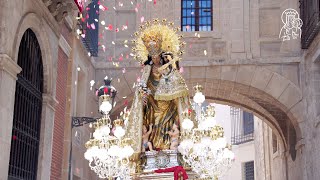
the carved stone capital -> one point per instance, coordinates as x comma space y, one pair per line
60, 9
8, 65
50, 100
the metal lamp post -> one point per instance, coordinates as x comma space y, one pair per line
106, 89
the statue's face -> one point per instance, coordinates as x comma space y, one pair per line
174, 127
145, 129
154, 48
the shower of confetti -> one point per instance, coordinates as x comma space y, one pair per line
110, 28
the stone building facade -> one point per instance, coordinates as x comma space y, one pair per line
246, 65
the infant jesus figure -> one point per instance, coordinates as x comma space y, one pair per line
174, 135
145, 138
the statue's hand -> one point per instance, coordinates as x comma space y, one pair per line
144, 99
167, 56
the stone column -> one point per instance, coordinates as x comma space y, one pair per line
8, 76
49, 104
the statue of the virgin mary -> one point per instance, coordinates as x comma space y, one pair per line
162, 93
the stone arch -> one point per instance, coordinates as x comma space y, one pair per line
35, 23
267, 94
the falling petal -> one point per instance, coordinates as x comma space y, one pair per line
124, 97
125, 102
205, 52
92, 83
181, 70
113, 43
142, 19
110, 27
96, 20
102, 7
125, 45
78, 68
103, 23
93, 26
124, 70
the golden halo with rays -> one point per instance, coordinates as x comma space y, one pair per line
170, 39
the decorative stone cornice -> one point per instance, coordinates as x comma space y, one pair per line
8, 65
64, 46
60, 9
50, 100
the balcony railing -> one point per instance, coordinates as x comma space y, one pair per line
310, 15
240, 139
90, 27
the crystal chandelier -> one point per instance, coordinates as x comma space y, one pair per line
108, 152
204, 147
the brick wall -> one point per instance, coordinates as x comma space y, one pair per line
58, 132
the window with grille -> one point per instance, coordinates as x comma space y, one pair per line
310, 15
89, 26
24, 150
249, 170
248, 123
196, 15
242, 126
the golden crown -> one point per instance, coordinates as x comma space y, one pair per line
154, 36
163, 34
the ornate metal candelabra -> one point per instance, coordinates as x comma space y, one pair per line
204, 147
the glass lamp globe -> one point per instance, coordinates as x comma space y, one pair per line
97, 134
199, 98
90, 153
105, 107
127, 151
187, 124
104, 131
119, 132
